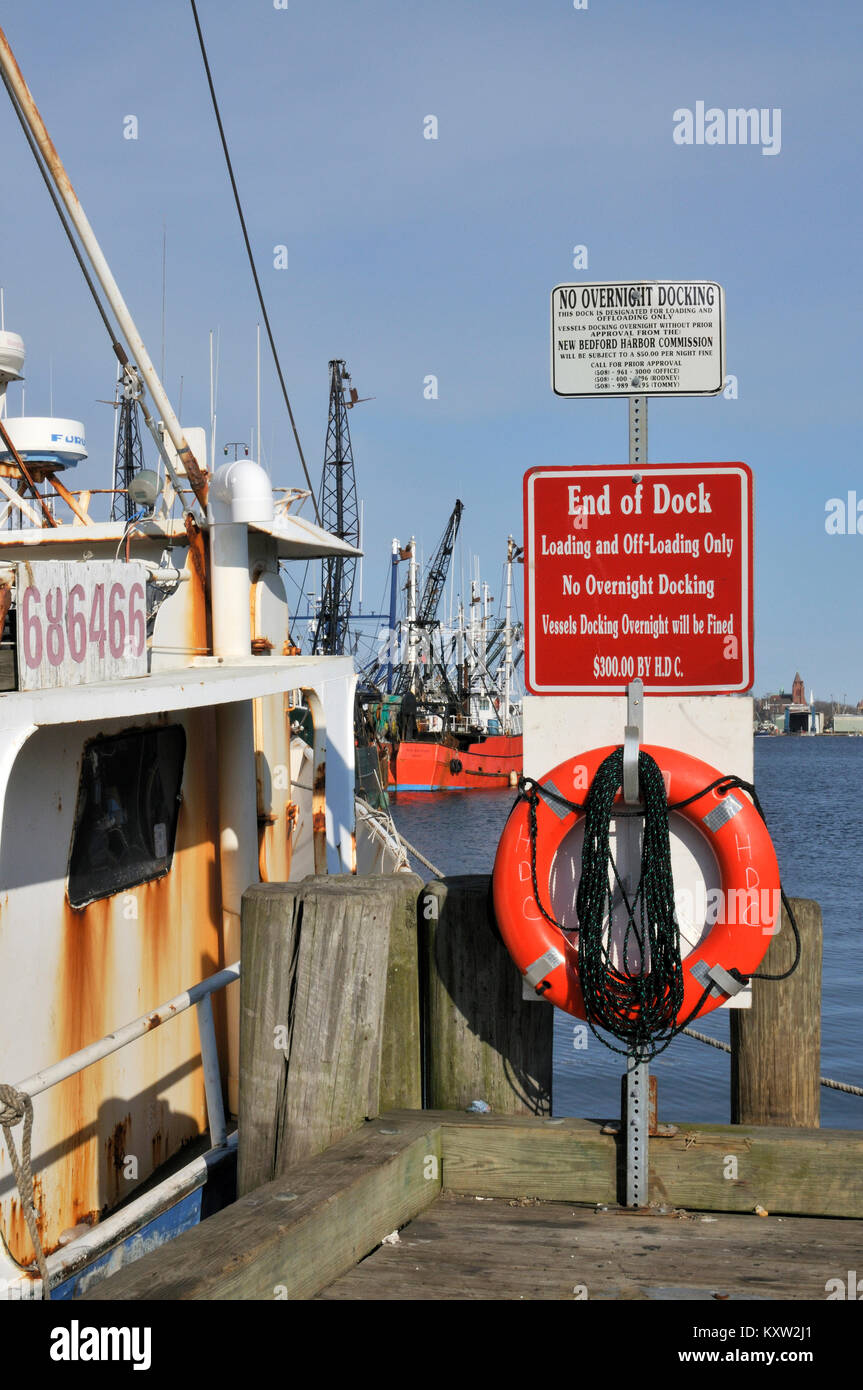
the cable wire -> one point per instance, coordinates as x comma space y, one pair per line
251, 257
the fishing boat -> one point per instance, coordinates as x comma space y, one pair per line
446, 708
150, 771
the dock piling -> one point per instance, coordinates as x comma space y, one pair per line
776, 1044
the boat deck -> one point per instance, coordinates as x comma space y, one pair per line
494, 1248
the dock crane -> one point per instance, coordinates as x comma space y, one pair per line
339, 513
425, 619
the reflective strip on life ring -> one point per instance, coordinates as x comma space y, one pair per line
735, 832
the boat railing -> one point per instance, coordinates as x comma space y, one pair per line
123, 1223
199, 995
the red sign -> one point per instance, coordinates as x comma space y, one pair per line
643, 571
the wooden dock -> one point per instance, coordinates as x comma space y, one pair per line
364, 1001
492, 1207
492, 1248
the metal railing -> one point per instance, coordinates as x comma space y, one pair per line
200, 996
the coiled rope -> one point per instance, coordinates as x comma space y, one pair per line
638, 998
16, 1106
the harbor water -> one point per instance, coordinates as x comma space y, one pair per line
812, 793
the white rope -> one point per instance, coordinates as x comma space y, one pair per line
825, 1080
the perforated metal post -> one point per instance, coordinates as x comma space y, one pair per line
636, 1122
637, 428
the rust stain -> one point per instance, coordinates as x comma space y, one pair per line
117, 1143
257, 572
17, 1233
199, 632
319, 818
292, 812
117, 1146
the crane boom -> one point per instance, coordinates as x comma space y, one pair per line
436, 577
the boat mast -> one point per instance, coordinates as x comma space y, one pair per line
26, 107
339, 514
412, 612
507, 660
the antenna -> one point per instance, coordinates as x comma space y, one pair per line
128, 455
359, 547
164, 294
214, 392
258, 416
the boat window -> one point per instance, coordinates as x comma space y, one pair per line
126, 818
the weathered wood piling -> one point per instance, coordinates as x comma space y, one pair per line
483, 1040
329, 1014
776, 1045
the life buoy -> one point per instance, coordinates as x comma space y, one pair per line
736, 834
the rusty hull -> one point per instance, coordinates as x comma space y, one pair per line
76, 975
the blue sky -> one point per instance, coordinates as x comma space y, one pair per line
411, 257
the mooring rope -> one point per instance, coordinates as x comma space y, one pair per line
16, 1106
438, 873
389, 824
824, 1080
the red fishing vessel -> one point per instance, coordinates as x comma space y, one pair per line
433, 766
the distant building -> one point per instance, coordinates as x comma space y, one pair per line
802, 717
848, 723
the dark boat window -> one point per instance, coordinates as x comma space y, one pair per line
126, 819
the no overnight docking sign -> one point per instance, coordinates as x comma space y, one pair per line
643, 571
633, 338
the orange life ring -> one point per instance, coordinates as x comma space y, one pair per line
736, 834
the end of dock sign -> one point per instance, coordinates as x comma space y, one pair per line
642, 572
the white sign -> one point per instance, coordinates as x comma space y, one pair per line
638, 338
80, 622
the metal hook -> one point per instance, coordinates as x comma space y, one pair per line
633, 735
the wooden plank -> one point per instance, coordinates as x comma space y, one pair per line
484, 1041
462, 1249
731, 1168
558, 1160
401, 1064
776, 1045
291, 1237
313, 992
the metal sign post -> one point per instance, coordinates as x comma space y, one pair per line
584, 532
637, 1083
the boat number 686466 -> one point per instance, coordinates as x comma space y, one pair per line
77, 625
